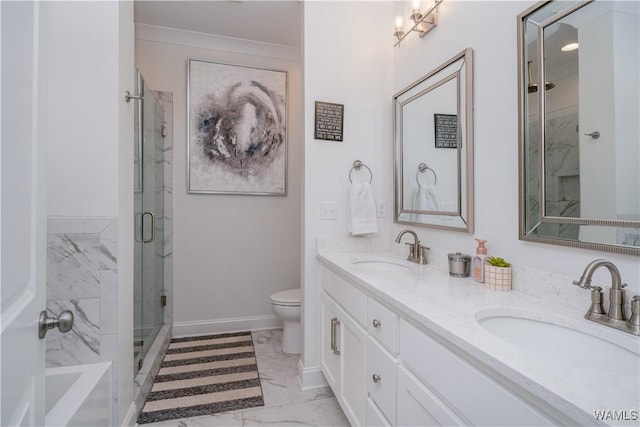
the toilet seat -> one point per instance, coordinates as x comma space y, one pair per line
288, 298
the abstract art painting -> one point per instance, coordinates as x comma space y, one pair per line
237, 120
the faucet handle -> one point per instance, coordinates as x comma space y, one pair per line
596, 302
634, 320
421, 255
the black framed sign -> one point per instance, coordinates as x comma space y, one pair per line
446, 130
329, 121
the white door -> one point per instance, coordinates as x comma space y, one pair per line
23, 215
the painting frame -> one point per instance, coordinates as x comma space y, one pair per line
237, 130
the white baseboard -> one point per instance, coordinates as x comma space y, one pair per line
215, 326
311, 377
131, 416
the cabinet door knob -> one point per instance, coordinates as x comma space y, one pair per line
376, 378
376, 323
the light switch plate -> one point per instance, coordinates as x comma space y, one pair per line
328, 210
381, 209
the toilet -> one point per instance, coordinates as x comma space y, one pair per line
286, 305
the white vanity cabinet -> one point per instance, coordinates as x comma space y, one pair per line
440, 387
344, 344
388, 370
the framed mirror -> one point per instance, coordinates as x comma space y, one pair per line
433, 148
579, 136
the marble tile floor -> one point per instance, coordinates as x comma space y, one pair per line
284, 403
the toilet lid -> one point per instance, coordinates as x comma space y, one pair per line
288, 297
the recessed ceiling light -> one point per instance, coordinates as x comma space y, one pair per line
569, 47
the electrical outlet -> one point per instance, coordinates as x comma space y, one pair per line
328, 210
381, 209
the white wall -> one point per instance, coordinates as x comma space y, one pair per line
82, 148
347, 60
465, 24
231, 252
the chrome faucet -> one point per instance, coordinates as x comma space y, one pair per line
416, 251
616, 316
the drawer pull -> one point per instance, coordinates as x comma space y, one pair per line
334, 346
376, 323
376, 378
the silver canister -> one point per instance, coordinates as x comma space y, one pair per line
459, 264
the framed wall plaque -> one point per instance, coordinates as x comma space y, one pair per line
329, 121
446, 130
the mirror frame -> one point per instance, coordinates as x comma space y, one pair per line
522, 145
466, 140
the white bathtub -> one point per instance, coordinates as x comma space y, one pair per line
78, 395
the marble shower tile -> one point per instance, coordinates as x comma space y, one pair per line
166, 100
78, 225
73, 264
109, 247
322, 412
82, 343
108, 302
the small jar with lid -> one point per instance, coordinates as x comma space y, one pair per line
459, 264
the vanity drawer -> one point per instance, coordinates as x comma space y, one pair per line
374, 416
465, 389
381, 379
382, 324
346, 295
418, 406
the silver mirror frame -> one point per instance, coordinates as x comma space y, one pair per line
522, 147
467, 142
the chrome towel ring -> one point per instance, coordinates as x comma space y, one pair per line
358, 165
423, 168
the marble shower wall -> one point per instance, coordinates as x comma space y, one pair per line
82, 276
562, 174
166, 100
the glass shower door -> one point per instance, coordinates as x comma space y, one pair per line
149, 229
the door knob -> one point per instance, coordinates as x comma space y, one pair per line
376, 323
376, 378
64, 322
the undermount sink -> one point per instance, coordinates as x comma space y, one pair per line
381, 265
563, 340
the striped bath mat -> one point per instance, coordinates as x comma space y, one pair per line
204, 375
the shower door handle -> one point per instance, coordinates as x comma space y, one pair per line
153, 227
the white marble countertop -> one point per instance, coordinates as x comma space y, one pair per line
448, 306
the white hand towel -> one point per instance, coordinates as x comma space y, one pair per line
361, 212
425, 199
